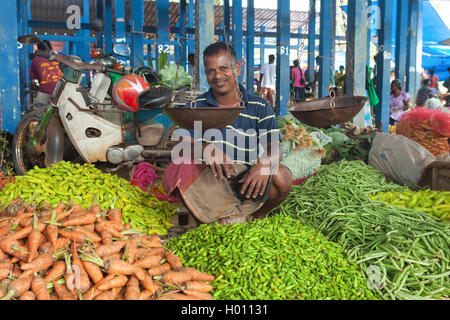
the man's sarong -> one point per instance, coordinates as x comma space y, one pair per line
210, 199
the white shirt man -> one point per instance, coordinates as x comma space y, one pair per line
267, 81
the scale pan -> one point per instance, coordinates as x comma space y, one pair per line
210, 117
317, 113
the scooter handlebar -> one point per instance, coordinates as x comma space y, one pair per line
67, 60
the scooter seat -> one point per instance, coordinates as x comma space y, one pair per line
154, 98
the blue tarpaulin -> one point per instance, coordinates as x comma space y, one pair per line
435, 55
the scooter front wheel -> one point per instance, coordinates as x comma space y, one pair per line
23, 158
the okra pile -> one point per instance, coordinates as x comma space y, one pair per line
274, 258
65, 181
404, 251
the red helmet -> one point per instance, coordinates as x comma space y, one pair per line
127, 89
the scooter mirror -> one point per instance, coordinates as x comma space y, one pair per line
29, 39
97, 24
121, 49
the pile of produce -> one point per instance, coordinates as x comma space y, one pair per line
428, 127
405, 252
349, 142
70, 253
81, 184
4, 180
301, 153
274, 258
434, 202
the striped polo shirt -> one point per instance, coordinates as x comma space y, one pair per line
244, 139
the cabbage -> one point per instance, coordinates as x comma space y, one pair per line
169, 73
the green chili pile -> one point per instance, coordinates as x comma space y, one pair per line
274, 258
406, 252
66, 181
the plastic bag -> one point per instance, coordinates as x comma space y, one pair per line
302, 163
427, 119
321, 138
430, 128
401, 159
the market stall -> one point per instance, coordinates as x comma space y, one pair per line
347, 231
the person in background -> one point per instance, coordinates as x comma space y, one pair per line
339, 79
332, 84
191, 60
46, 72
267, 81
434, 81
298, 79
433, 102
316, 79
423, 75
392, 75
447, 85
423, 92
375, 70
399, 102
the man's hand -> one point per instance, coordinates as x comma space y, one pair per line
221, 165
255, 179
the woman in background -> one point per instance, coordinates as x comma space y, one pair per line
298, 79
399, 102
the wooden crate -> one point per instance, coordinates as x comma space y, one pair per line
440, 179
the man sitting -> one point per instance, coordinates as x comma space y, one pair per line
236, 174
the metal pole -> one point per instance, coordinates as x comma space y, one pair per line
9, 77
206, 37
237, 33
356, 54
369, 35
137, 36
262, 44
400, 41
120, 21
324, 49
182, 20
283, 50
99, 14
311, 40
191, 45
23, 52
83, 48
250, 45
108, 26
419, 46
163, 23
384, 66
414, 45
227, 16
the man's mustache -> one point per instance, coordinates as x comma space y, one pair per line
220, 80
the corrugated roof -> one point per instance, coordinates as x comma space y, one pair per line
55, 11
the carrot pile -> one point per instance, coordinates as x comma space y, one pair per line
71, 253
4, 180
428, 127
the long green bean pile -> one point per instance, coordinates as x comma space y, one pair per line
404, 253
274, 258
